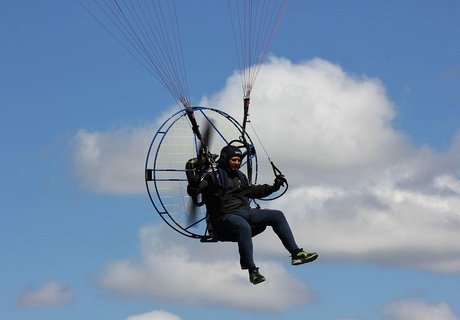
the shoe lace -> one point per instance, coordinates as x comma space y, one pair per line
301, 253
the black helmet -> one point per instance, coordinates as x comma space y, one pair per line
227, 153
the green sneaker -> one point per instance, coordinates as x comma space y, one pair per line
255, 277
301, 257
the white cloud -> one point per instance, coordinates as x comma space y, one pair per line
112, 161
358, 189
382, 224
51, 294
155, 315
333, 119
419, 310
202, 274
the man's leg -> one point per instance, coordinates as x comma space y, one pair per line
241, 230
277, 220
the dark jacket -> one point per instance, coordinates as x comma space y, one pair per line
225, 191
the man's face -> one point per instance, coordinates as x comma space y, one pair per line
234, 163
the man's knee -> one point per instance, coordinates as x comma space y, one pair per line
278, 216
244, 229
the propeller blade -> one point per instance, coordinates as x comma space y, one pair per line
192, 212
207, 135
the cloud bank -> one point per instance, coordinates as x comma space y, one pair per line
197, 275
359, 190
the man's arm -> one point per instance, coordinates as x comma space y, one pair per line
264, 190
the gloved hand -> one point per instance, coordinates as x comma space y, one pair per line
193, 183
192, 189
279, 182
193, 177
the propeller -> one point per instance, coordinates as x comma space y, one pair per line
202, 163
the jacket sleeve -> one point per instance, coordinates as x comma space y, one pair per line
261, 191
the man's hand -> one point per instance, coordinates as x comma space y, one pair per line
280, 180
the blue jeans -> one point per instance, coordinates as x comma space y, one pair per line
239, 225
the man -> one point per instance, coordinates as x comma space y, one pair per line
227, 193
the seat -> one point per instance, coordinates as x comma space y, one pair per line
216, 233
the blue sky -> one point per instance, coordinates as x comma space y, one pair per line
366, 93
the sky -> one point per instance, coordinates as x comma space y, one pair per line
357, 103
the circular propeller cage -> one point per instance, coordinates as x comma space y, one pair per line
172, 146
